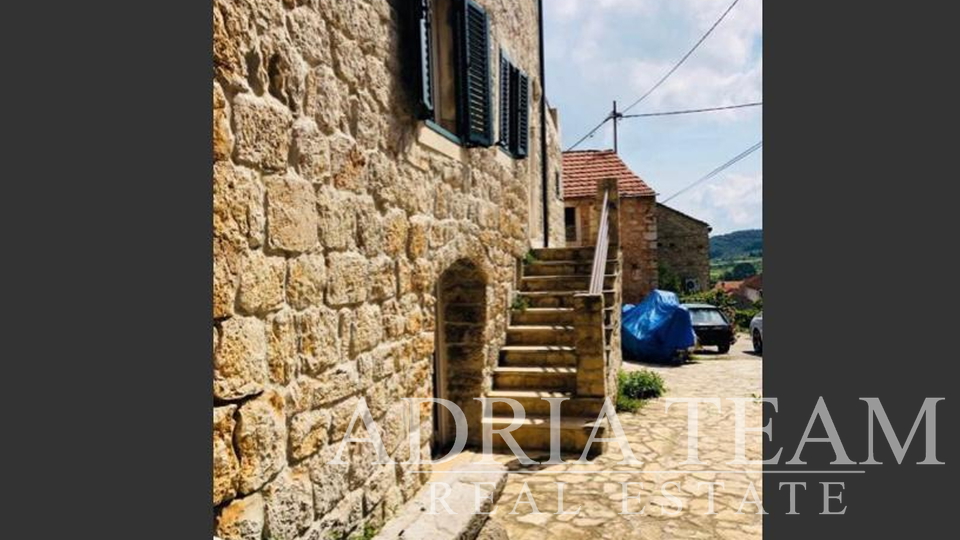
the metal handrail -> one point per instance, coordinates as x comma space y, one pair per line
600, 252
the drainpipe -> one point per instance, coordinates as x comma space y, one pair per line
544, 160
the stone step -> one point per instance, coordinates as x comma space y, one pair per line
538, 355
564, 254
540, 335
563, 283
534, 405
554, 299
566, 268
535, 378
534, 434
542, 316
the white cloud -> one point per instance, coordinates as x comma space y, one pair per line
729, 202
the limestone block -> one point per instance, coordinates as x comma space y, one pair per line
282, 347
262, 132
324, 98
337, 219
329, 480
238, 214
306, 280
242, 519
240, 362
419, 236
226, 264
369, 229
308, 433
367, 329
348, 164
383, 278
319, 341
309, 32
261, 283
334, 385
261, 439
348, 281
222, 138
288, 502
291, 214
394, 232
226, 468
311, 150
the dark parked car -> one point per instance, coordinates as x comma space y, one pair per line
711, 327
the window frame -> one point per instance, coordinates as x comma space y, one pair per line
465, 135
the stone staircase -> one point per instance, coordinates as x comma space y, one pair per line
540, 358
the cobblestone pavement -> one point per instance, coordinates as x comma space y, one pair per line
658, 438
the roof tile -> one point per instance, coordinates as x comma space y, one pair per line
582, 169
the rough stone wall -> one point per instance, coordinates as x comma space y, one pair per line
333, 218
555, 180
638, 240
684, 246
638, 244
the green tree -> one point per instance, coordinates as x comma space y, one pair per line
740, 271
668, 280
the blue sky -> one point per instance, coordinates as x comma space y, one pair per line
601, 50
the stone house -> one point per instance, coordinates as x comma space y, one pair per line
746, 292
380, 169
582, 169
683, 248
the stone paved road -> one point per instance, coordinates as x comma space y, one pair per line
658, 438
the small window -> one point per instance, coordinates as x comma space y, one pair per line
571, 225
453, 69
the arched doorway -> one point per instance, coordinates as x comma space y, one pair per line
459, 357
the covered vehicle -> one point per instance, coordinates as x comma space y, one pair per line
656, 328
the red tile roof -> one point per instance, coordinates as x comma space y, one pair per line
755, 282
582, 169
729, 286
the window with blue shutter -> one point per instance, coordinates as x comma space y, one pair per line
424, 62
453, 84
522, 123
475, 96
514, 91
506, 113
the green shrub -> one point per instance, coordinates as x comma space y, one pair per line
626, 404
520, 303
743, 318
633, 387
529, 258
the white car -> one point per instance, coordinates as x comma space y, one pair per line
756, 331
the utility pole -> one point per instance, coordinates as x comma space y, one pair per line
616, 117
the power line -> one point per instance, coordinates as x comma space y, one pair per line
690, 111
664, 78
717, 171
588, 135
684, 59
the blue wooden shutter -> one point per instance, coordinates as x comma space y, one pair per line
506, 114
523, 115
424, 80
475, 94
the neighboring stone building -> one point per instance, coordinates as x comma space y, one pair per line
683, 250
352, 188
582, 169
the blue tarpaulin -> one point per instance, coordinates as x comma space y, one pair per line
656, 328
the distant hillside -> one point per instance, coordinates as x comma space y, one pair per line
737, 245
